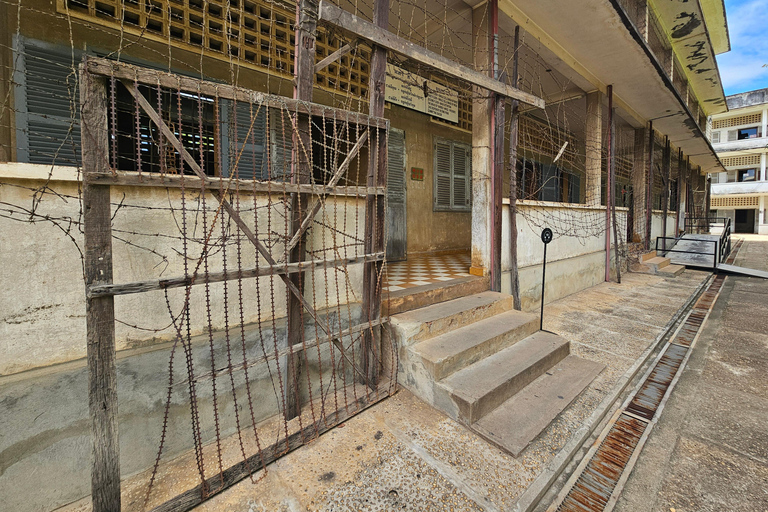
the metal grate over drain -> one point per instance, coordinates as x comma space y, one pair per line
597, 481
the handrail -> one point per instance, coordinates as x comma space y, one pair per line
716, 253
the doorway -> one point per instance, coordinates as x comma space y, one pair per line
745, 221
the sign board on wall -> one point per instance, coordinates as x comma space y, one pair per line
412, 91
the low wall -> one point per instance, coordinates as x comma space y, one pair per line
576, 255
42, 307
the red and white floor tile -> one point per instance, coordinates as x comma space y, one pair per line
426, 269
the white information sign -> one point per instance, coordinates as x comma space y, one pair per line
412, 91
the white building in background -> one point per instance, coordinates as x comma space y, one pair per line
740, 138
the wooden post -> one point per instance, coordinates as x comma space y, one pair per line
497, 151
612, 171
609, 187
666, 164
306, 29
649, 187
99, 311
374, 205
679, 190
513, 138
707, 200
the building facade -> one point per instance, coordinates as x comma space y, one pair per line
740, 138
502, 118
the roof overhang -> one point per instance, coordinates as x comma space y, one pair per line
717, 25
604, 46
685, 26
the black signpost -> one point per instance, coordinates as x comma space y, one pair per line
546, 237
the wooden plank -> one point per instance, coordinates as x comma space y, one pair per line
100, 311
133, 179
335, 56
321, 201
103, 290
193, 497
306, 29
195, 86
380, 36
649, 186
514, 127
374, 206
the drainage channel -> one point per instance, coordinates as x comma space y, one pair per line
598, 480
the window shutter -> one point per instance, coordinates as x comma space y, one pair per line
461, 172
550, 183
243, 128
442, 175
48, 105
731, 176
396, 167
281, 145
732, 135
715, 137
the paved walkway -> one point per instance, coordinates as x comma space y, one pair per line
709, 451
404, 455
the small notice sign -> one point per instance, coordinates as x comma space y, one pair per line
417, 174
412, 91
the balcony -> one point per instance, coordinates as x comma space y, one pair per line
739, 188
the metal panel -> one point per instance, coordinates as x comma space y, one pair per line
396, 194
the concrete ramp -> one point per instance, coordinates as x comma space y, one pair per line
742, 271
693, 250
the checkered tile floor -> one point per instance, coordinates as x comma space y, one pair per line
426, 269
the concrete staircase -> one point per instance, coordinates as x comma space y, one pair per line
487, 365
651, 263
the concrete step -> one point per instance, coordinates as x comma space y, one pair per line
647, 256
657, 263
672, 269
473, 392
422, 296
420, 324
519, 420
455, 350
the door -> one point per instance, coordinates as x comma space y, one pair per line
396, 231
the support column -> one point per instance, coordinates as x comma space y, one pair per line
765, 122
594, 144
649, 188
639, 167
666, 164
99, 311
761, 215
763, 177
482, 140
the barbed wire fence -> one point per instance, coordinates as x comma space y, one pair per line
203, 168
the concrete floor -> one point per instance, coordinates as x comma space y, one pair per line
709, 450
403, 455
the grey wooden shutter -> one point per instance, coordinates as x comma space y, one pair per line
550, 185
442, 171
733, 135
243, 128
396, 192
715, 137
461, 177
47, 104
281, 145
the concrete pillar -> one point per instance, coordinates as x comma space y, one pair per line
761, 214
762, 176
594, 143
482, 106
639, 166
765, 122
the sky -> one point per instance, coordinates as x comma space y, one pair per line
742, 69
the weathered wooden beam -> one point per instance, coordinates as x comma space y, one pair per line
153, 78
513, 139
103, 290
133, 179
335, 56
321, 201
380, 36
374, 206
304, 80
99, 311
